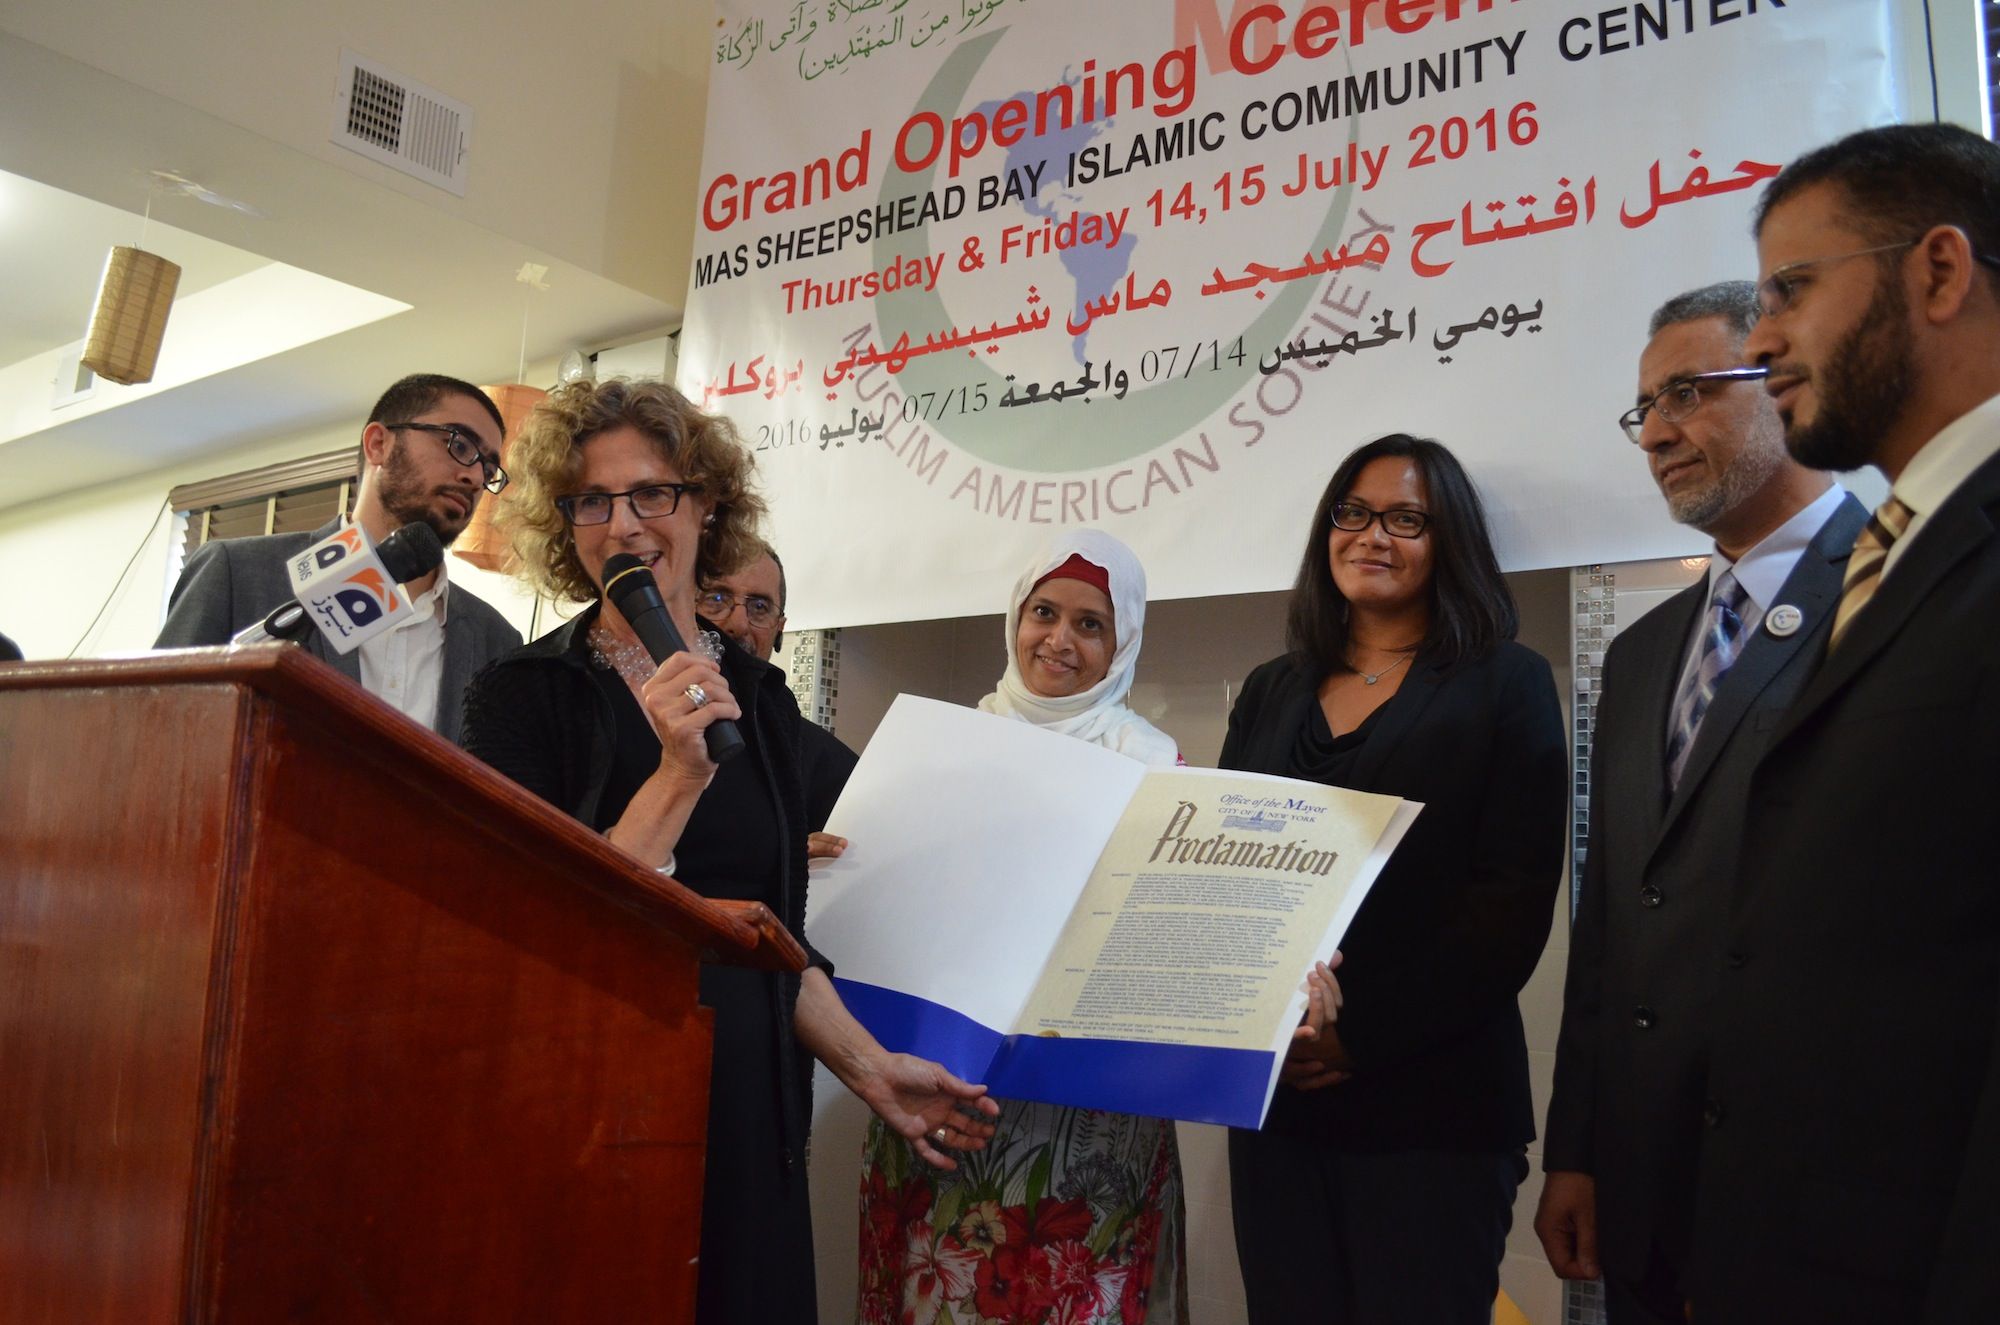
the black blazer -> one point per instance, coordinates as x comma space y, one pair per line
1457, 920
1851, 1169
1631, 1062
232, 582
538, 717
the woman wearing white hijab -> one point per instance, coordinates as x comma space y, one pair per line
1068, 1214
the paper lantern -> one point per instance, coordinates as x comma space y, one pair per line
130, 319
482, 544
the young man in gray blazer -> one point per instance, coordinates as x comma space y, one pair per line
430, 451
1689, 691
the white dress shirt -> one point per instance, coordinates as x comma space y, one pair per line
1762, 572
405, 664
1946, 461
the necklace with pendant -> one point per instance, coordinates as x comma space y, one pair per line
1371, 679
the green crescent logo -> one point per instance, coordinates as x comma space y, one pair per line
1108, 431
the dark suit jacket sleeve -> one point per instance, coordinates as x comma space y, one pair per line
201, 609
1966, 1284
825, 763
510, 726
1567, 1145
1495, 921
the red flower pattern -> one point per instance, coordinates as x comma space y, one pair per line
999, 1264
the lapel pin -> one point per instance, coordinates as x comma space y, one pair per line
1784, 620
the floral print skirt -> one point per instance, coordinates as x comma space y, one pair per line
1068, 1217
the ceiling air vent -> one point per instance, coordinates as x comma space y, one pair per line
402, 124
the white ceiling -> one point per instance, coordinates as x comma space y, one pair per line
77, 145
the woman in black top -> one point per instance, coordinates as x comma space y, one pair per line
583, 718
1381, 1186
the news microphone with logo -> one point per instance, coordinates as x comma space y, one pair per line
629, 584
347, 589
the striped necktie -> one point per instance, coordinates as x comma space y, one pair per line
1864, 567
1721, 641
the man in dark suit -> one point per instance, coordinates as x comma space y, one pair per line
1850, 1167
430, 451
1689, 691
749, 607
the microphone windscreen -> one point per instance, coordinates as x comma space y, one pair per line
626, 589
411, 552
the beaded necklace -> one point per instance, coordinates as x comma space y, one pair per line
629, 658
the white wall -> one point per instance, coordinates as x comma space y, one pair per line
66, 557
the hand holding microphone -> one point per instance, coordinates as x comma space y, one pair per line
692, 691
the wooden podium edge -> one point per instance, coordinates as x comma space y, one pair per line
735, 933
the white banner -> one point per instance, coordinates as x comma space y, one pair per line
968, 268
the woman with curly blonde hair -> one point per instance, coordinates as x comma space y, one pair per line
583, 718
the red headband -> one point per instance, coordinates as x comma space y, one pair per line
1076, 568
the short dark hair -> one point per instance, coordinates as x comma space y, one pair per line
1735, 302
1472, 611
1898, 181
420, 392
784, 592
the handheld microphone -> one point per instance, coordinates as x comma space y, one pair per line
629, 584
344, 595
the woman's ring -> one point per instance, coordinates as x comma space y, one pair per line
696, 696
939, 1135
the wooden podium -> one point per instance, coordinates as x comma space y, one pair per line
305, 1015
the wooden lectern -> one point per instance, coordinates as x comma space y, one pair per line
305, 1015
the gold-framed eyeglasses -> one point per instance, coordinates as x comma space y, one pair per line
1776, 291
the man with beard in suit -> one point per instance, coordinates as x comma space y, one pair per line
430, 451
1850, 1167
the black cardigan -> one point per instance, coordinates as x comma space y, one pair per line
536, 715
1456, 923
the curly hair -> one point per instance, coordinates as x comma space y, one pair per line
547, 458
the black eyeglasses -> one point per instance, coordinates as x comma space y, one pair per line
651, 502
1683, 396
758, 610
464, 448
1353, 517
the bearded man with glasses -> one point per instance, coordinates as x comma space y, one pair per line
429, 452
1687, 698
1850, 1168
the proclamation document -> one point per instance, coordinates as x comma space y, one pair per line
1065, 924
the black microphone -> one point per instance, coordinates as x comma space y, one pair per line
629, 585
410, 553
